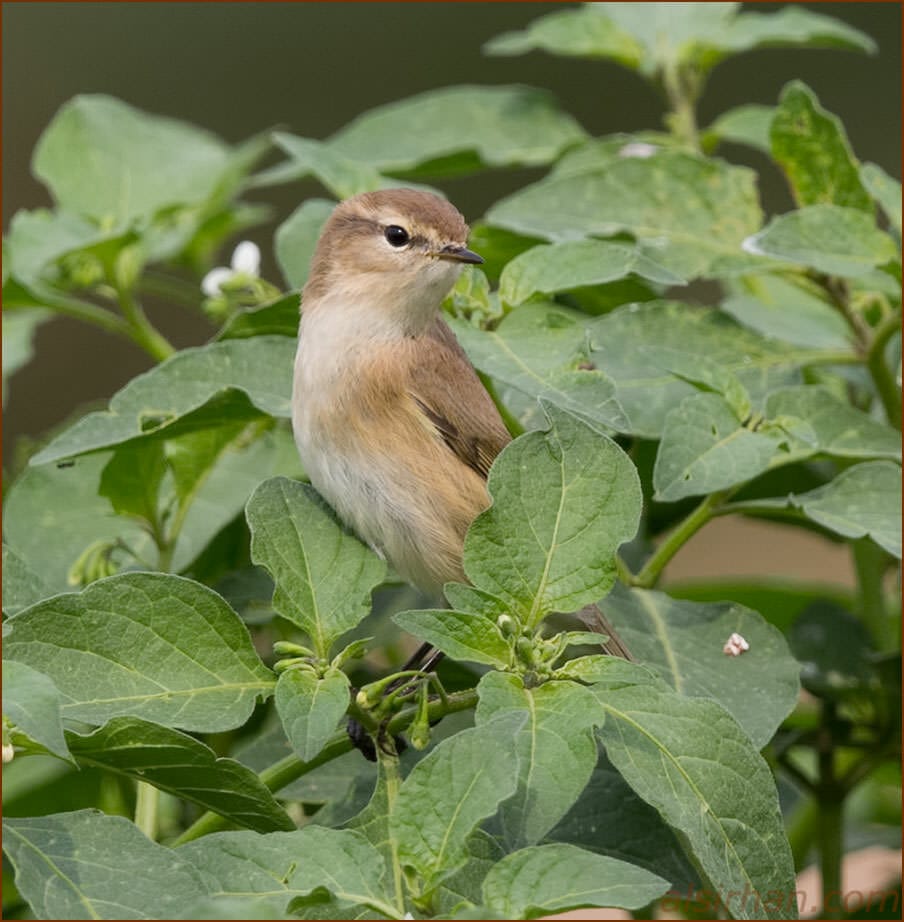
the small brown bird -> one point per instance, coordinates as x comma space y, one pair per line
394, 428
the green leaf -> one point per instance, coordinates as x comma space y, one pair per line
460, 783
812, 148
828, 238
885, 190
836, 428
558, 877
248, 866
706, 448
131, 480
462, 635
276, 318
324, 576
197, 388
550, 268
579, 33
460, 127
692, 214
748, 124
133, 164
556, 751
863, 500
296, 238
147, 645
21, 585
689, 759
791, 26
221, 491
563, 502
19, 328
541, 350
606, 808
38, 239
647, 396
52, 514
310, 708
85, 865
32, 702
175, 762
682, 642
782, 308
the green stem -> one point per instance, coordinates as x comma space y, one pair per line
882, 375
85, 311
146, 802
140, 330
830, 829
682, 96
677, 538
869, 562
389, 765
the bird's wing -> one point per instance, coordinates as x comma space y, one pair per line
448, 392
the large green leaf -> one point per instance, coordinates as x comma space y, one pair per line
275, 318
296, 238
51, 515
85, 865
550, 268
783, 309
829, 238
324, 576
292, 865
556, 751
178, 763
147, 645
464, 635
705, 447
812, 148
689, 759
461, 127
563, 502
862, 500
541, 350
748, 124
661, 36
648, 392
832, 425
197, 388
558, 877
606, 808
32, 702
682, 642
130, 164
21, 585
460, 783
691, 213
310, 708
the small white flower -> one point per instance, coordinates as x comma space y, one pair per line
246, 260
638, 149
735, 645
8, 752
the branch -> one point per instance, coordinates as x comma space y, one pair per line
883, 378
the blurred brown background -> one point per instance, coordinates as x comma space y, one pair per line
239, 68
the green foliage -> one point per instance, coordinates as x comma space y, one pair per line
155, 551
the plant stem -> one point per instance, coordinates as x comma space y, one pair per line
682, 97
869, 562
146, 801
389, 765
85, 311
830, 830
883, 378
140, 330
677, 538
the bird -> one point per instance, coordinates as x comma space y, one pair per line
393, 426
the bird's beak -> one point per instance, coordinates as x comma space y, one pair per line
459, 254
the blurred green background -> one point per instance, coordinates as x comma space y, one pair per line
240, 68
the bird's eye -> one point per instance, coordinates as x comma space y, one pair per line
396, 236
